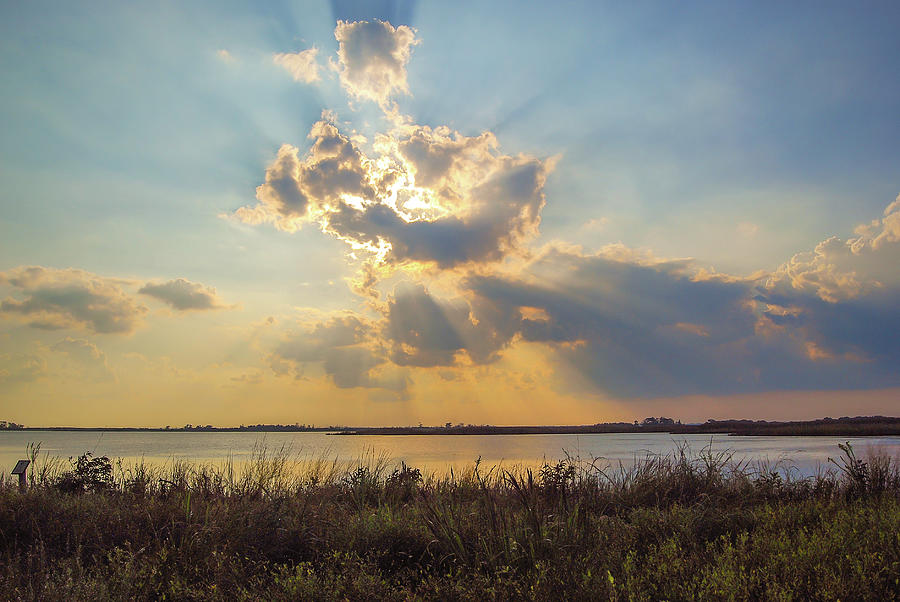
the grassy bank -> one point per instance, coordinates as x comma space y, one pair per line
679, 527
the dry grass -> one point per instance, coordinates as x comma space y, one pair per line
283, 526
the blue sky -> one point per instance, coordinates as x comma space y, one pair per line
736, 135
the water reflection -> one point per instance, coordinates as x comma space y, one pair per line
432, 453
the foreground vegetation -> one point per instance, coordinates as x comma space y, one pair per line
686, 526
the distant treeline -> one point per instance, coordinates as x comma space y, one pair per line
261, 428
858, 425
192, 428
844, 426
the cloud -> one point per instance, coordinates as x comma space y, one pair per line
636, 326
476, 204
70, 298
225, 56
345, 349
301, 65
90, 360
418, 196
184, 295
421, 202
747, 229
314, 343
838, 270
372, 58
843, 298
395, 11
630, 325
21, 368
249, 378
54, 299
302, 190
425, 331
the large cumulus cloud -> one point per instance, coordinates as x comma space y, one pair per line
435, 205
476, 204
416, 194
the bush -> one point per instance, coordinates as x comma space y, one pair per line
88, 474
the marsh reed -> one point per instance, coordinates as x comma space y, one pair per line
688, 525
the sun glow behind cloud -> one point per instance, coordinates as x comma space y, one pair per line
431, 205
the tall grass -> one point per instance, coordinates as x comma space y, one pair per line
280, 526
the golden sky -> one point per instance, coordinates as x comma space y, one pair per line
306, 237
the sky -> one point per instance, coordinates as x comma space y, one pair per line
399, 212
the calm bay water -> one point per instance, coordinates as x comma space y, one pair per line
431, 453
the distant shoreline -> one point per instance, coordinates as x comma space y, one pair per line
845, 426
140, 429
858, 426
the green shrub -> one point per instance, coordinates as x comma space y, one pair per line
88, 474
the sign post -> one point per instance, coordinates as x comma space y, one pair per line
20, 468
